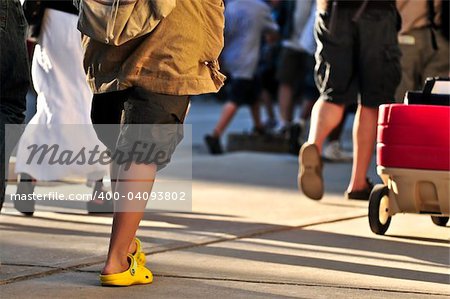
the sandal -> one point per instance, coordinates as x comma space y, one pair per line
139, 255
310, 179
135, 274
360, 194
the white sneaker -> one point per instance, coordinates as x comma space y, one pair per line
334, 153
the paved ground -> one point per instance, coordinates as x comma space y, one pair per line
250, 235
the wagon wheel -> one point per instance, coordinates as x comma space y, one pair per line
379, 218
439, 221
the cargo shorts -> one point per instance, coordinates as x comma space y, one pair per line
140, 124
358, 58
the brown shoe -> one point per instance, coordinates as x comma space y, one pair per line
310, 179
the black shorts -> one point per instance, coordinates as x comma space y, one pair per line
292, 67
267, 81
358, 58
132, 116
308, 89
296, 68
243, 91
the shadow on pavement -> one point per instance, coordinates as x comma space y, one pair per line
389, 249
433, 240
337, 265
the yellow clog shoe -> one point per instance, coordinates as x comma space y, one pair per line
135, 274
139, 255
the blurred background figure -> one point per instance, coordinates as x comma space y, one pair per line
267, 65
295, 70
424, 42
14, 80
63, 97
246, 21
296, 81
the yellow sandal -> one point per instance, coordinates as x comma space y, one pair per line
139, 255
135, 274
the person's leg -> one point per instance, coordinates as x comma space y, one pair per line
324, 118
379, 75
333, 151
335, 134
228, 112
255, 110
307, 108
311, 91
290, 69
285, 95
14, 80
252, 90
238, 95
106, 113
138, 179
364, 137
335, 79
266, 100
268, 86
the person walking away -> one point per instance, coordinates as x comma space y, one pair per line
357, 55
246, 23
295, 71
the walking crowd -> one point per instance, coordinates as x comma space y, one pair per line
333, 57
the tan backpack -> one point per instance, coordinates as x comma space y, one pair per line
115, 22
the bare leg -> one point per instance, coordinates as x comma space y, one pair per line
285, 95
228, 112
324, 118
256, 115
137, 179
364, 137
307, 107
114, 170
336, 133
267, 102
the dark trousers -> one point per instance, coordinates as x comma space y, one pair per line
14, 78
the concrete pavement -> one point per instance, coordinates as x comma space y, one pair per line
251, 234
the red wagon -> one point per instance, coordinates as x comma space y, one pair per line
413, 161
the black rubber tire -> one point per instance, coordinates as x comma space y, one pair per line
378, 192
439, 221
